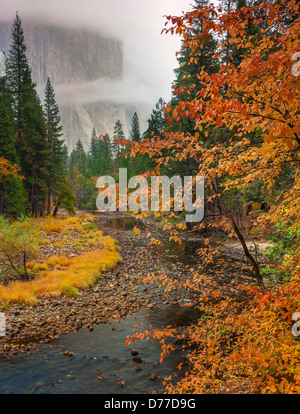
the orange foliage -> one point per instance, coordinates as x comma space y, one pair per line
243, 338
262, 94
7, 169
244, 335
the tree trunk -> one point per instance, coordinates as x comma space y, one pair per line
56, 210
243, 243
49, 199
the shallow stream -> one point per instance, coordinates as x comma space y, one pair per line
101, 363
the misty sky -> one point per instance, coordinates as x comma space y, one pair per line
149, 57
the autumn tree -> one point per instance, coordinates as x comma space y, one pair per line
7, 169
243, 340
257, 97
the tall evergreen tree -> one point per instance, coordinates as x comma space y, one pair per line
186, 73
65, 158
13, 197
55, 144
35, 154
78, 158
7, 138
30, 128
135, 133
157, 121
191, 62
19, 78
107, 157
94, 156
116, 145
94, 148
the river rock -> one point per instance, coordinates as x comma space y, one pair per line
137, 360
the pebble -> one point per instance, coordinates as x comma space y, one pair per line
137, 360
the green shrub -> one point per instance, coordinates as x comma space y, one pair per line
18, 244
285, 241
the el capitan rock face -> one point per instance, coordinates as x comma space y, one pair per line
75, 60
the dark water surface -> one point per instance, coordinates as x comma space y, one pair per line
102, 364
101, 353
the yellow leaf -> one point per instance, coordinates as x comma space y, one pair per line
136, 231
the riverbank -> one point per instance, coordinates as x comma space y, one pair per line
115, 295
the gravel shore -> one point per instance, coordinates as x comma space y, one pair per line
115, 295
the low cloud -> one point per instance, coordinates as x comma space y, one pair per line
149, 56
123, 91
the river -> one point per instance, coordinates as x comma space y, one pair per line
101, 363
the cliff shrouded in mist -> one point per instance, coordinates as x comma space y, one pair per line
79, 63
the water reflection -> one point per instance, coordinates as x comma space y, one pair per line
101, 361
169, 251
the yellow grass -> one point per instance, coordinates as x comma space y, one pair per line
60, 275
50, 225
63, 224
80, 272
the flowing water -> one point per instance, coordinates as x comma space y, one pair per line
102, 364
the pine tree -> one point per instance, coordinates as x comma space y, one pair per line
135, 133
157, 121
78, 158
19, 78
7, 138
65, 159
35, 156
94, 147
94, 156
55, 144
186, 74
13, 197
107, 161
29, 122
116, 145
188, 70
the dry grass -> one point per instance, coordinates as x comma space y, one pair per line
60, 275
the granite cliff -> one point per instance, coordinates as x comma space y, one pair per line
78, 60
